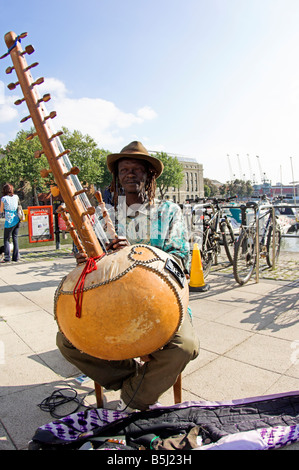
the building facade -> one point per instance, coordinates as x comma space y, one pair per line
192, 187
290, 191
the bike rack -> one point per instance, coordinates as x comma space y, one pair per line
257, 240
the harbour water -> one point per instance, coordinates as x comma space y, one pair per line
290, 243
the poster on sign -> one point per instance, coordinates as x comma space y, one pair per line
40, 224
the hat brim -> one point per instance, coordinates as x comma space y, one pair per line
113, 158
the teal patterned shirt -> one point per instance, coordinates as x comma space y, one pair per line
160, 224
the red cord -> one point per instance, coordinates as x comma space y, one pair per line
90, 266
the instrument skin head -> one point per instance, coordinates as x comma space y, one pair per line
132, 304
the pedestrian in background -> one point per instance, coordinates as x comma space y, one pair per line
9, 205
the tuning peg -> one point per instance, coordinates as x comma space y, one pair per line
9, 70
31, 136
30, 66
25, 118
39, 81
52, 115
45, 98
12, 86
56, 135
44, 173
18, 38
18, 102
38, 153
28, 50
90, 211
73, 171
83, 190
65, 152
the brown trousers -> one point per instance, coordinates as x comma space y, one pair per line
141, 385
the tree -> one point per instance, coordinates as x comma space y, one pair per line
210, 189
19, 164
87, 156
207, 190
172, 175
240, 187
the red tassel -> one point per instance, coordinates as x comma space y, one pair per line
90, 266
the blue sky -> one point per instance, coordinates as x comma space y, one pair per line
197, 78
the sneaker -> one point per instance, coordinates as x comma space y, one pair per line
123, 407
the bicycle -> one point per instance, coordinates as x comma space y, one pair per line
251, 237
213, 230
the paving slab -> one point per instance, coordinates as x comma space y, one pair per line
249, 338
229, 379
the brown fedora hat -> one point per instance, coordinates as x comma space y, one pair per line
135, 150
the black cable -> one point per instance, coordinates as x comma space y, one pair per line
57, 398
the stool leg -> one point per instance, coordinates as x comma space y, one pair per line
177, 390
99, 394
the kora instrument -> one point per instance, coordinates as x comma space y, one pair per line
117, 305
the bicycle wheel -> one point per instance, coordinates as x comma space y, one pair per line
269, 245
245, 256
207, 252
228, 239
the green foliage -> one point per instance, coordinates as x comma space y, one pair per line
240, 187
19, 164
210, 189
172, 175
86, 155
237, 187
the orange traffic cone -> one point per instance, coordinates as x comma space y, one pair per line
197, 283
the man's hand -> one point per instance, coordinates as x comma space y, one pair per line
117, 244
81, 257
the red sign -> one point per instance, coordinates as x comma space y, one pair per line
40, 224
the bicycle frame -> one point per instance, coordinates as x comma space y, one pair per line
259, 236
257, 221
215, 229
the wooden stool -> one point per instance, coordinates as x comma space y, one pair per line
177, 392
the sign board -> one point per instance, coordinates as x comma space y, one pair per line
40, 224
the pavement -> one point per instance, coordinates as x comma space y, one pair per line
249, 338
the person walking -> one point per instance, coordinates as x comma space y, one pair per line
9, 205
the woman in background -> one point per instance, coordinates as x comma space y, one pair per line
9, 205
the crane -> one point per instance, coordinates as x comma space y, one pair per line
240, 168
263, 174
252, 175
230, 169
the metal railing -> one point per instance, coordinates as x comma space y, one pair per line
257, 240
257, 224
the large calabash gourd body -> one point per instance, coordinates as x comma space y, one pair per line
132, 305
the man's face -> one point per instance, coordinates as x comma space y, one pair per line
132, 175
